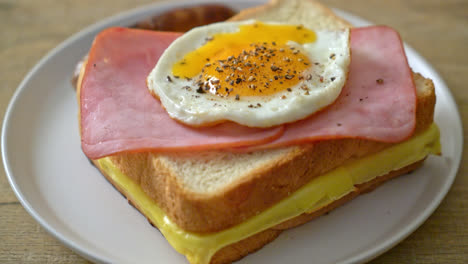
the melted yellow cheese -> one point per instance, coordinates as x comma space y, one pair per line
199, 248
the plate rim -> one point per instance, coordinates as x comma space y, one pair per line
115, 20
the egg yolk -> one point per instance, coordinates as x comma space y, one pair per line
254, 61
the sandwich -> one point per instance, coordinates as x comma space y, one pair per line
221, 186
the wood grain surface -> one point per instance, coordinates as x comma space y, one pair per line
438, 30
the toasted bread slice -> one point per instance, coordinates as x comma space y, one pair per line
253, 243
210, 191
213, 190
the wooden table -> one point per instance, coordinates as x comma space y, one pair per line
438, 30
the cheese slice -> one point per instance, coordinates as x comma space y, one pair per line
321, 191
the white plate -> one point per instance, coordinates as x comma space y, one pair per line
58, 186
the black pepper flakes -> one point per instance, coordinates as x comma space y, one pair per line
237, 97
200, 90
169, 78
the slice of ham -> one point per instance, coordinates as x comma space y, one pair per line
118, 114
377, 103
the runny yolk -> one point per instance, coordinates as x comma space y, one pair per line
254, 61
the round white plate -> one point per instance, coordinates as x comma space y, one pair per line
58, 186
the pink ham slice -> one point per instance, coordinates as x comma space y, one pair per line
378, 101
118, 114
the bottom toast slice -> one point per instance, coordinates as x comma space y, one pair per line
322, 194
254, 242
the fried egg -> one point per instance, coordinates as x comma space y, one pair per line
252, 73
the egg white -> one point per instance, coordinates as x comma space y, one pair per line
331, 51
